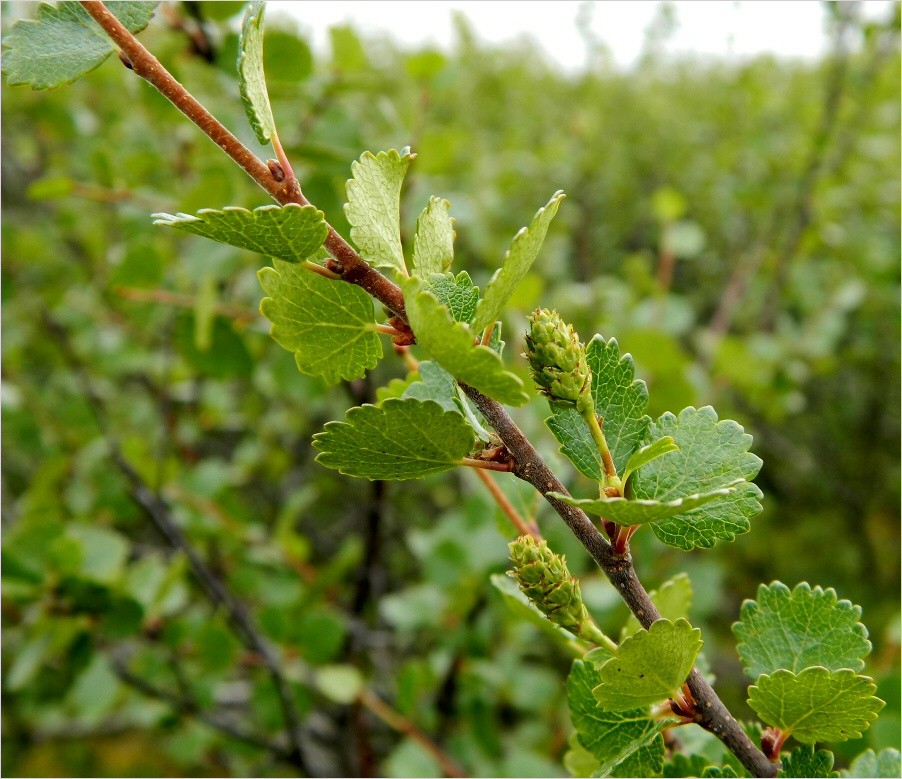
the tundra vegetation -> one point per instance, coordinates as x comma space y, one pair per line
419, 472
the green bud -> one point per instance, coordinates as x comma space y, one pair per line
558, 360
544, 579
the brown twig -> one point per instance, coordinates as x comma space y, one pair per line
485, 465
188, 707
158, 511
143, 63
711, 714
403, 725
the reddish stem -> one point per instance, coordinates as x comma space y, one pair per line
486, 465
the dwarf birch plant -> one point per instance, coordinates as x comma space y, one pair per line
687, 477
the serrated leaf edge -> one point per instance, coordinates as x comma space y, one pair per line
555, 202
356, 410
869, 716
477, 347
41, 18
395, 156
751, 607
254, 9
639, 636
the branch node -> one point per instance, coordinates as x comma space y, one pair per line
277, 172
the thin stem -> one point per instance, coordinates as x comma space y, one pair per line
403, 725
522, 526
622, 538
353, 268
682, 703
282, 157
601, 442
712, 715
591, 632
487, 334
410, 362
186, 706
385, 329
487, 465
321, 270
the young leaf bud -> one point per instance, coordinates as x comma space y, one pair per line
558, 360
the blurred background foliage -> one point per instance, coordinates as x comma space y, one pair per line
735, 226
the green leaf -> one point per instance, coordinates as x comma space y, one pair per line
95, 689
439, 385
451, 345
401, 439
472, 415
816, 704
673, 601
28, 660
577, 445
627, 743
395, 388
648, 453
620, 399
320, 633
685, 765
219, 10
435, 384
516, 264
105, 552
373, 208
286, 58
433, 244
459, 293
642, 512
798, 629
649, 666
805, 762
578, 760
227, 356
215, 646
292, 233
713, 455
340, 683
64, 42
251, 79
876, 766
328, 325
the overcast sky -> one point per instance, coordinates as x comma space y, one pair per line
727, 28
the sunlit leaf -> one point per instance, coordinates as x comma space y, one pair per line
292, 233
816, 704
251, 78
793, 630
328, 325
401, 439
649, 666
516, 264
